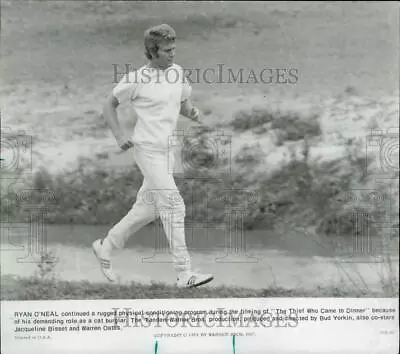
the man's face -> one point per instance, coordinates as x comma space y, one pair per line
166, 55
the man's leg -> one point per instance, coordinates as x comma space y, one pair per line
169, 203
171, 208
141, 213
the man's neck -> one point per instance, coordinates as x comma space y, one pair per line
157, 67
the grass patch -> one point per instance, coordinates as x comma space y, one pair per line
250, 156
289, 126
292, 128
19, 289
245, 120
300, 192
85, 196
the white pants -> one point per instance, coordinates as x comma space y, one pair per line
157, 197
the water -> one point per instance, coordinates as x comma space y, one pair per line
256, 259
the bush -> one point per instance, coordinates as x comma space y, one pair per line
289, 126
301, 192
243, 121
82, 197
250, 156
293, 128
46, 266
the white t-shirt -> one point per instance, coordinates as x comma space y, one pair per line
156, 97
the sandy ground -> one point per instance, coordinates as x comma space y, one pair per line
57, 71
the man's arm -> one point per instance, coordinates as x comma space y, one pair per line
190, 111
111, 116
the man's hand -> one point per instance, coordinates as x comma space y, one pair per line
124, 144
110, 114
190, 111
194, 115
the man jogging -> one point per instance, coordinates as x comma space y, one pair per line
158, 93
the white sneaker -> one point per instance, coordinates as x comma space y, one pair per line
105, 260
192, 279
